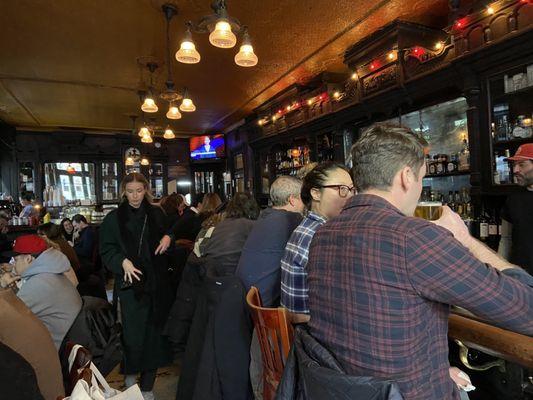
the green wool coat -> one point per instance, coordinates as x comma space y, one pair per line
144, 347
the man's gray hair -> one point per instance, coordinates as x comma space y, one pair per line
282, 188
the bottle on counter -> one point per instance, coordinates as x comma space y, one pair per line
464, 157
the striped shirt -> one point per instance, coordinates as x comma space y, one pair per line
294, 288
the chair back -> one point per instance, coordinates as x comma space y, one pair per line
275, 336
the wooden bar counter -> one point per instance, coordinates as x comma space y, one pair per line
476, 334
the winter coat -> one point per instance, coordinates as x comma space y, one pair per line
144, 307
312, 373
49, 294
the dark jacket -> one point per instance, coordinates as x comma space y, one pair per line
84, 246
17, 376
145, 306
212, 324
312, 373
261, 255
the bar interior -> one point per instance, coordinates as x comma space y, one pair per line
132, 131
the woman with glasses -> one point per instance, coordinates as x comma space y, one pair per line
325, 191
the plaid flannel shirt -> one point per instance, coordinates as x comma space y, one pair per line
380, 286
294, 288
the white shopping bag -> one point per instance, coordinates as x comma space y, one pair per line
99, 389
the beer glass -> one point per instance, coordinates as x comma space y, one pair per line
429, 210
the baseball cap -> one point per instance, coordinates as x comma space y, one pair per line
27, 244
524, 152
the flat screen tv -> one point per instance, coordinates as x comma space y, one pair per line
207, 147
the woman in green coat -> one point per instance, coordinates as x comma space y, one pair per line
130, 247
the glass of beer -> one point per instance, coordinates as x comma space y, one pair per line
429, 210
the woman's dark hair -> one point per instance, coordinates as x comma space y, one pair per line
242, 205
170, 203
316, 178
50, 230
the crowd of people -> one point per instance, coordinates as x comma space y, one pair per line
338, 248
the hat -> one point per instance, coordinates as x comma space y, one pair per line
524, 153
27, 244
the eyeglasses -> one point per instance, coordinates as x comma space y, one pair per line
342, 189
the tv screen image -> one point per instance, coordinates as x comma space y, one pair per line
207, 146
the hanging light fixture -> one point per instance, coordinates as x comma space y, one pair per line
186, 104
147, 138
173, 112
246, 56
129, 161
222, 30
145, 161
187, 53
149, 105
169, 134
143, 131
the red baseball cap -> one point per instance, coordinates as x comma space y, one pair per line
27, 244
524, 153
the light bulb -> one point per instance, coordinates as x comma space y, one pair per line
222, 36
246, 57
149, 105
187, 54
173, 113
354, 76
169, 134
336, 95
144, 161
439, 46
490, 10
187, 105
144, 131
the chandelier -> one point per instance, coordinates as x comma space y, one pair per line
222, 29
169, 94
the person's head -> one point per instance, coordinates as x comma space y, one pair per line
79, 222
66, 225
523, 165
50, 231
207, 140
170, 204
327, 188
134, 188
285, 194
390, 159
209, 204
25, 199
26, 249
242, 205
4, 223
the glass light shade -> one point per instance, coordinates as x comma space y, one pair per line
246, 57
147, 139
173, 113
144, 161
129, 161
144, 131
187, 105
187, 54
149, 105
222, 36
169, 134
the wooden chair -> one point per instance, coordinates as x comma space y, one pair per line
275, 336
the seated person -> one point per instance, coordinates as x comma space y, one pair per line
53, 233
43, 287
67, 229
25, 334
84, 243
259, 264
27, 206
381, 282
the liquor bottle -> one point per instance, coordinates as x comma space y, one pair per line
451, 202
464, 157
483, 227
493, 238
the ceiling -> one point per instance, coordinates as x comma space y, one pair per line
73, 64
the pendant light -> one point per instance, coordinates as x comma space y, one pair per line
169, 134
187, 104
145, 161
173, 112
246, 56
222, 36
149, 105
147, 138
143, 131
129, 161
187, 54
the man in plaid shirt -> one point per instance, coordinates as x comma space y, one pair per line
381, 282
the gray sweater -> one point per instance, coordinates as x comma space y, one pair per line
49, 294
